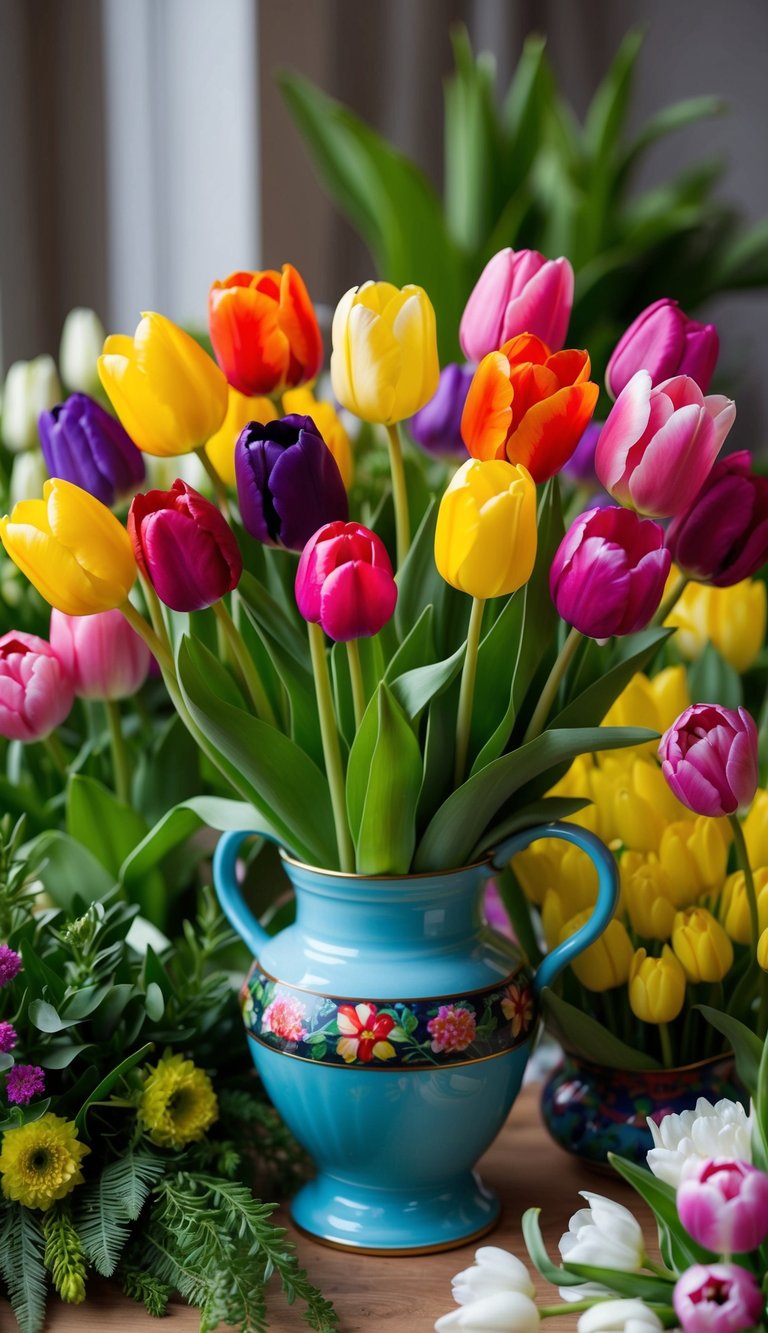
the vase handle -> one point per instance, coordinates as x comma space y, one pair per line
230, 894
607, 891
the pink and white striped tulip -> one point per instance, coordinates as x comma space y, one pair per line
659, 445
518, 291
723, 1204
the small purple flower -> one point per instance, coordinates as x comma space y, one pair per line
8, 1038
288, 482
23, 1083
580, 467
10, 964
437, 425
85, 445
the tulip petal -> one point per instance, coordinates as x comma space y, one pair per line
551, 429
675, 464
626, 424
355, 601
297, 320
481, 324
183, 375
375, 360
98, 541
487, 414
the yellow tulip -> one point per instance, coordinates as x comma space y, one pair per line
537, 869
384, 364
644, 805
485, 540
303, 402
605, 963
701, 945
71, 548
649, 900
553, 918
656, 986
694, 853
733, 619
734, 905
241, 410
762, 951
168, 393
755, 828
652, 702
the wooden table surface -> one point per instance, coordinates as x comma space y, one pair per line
401, 1295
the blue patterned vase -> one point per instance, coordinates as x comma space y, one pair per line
592, 1111
391, 1028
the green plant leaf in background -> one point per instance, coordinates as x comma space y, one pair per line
585, 1037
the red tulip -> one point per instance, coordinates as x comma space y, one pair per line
344, 581
184, 547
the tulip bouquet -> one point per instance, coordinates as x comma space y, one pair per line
129, 1140
706, 1183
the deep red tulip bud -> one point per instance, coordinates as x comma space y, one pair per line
184, 547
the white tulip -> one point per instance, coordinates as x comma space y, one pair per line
31, 387
28, 476
494, 1270
629, 1316
723, 1130
503, 1312
82, 340
606, 1234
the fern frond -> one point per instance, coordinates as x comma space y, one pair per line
22, 1266
111, 1203
147, 1289
64, 1257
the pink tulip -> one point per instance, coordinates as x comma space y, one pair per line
709, 758
344, 581
609, 572
658, 446
104, 657
665, 342
36, 692
717, 1298
723, 1204
517, 292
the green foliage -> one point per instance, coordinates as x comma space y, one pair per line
146, 1289
64, 1254
521, 171
583, 1036
106, 1207
22, 1265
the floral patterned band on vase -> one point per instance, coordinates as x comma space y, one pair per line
422, 1033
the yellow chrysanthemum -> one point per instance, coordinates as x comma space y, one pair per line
178, 1103
40, 1162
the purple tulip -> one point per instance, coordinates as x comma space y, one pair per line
184, 547
437, 426
83, 444
288, 482
609, 572
659, 444
723, 537
665, 342
724, 1206
717, 1298
709, 758
580, 467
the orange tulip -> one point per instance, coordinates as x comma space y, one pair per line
529, 406
264, 331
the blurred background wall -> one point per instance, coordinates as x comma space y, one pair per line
145, 148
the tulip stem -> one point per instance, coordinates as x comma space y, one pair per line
742, 859
467, 691
670, 602
219, 489
57, 754
552, 685
146, 632
399, 495
121, 764
356, 679
331, 748
667, 1056
245, 664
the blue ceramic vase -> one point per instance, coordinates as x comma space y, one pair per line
391, 1028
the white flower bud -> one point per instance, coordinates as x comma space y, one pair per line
31, 387
82, 340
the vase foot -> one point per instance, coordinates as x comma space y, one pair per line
393, 1222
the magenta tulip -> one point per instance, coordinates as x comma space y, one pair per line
184, 547
517, 292
36, 692
665, 342
103, 655
609, 572
709, 758
344, 581
724, 1206
723, 537
659, 445
717, 1298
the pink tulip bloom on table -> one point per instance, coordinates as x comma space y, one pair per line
659, 445
709, 758
723, 1204
103, 655
518, 291
665, 342
36, 692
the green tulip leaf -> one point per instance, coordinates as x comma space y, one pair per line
180, 823
590, 707
711, 677
96, 819
746, 1045
586, 1038
678, 1250
386, 768
439, 748
69, 871
417, 687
